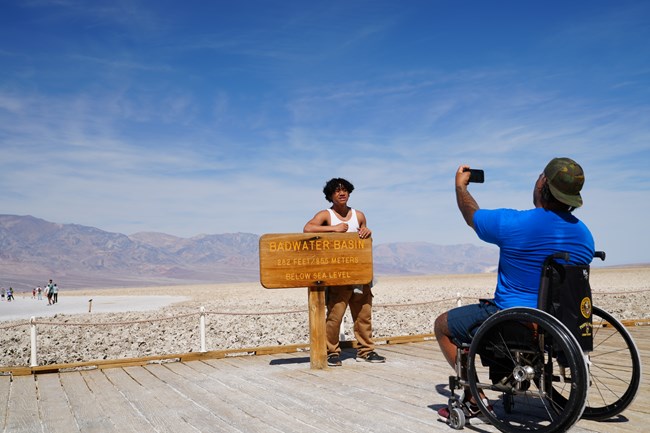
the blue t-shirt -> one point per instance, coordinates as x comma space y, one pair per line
525, 239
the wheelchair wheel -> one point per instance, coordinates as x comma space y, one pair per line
457, 418
518, 350
614, 368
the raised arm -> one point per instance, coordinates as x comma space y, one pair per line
466, 202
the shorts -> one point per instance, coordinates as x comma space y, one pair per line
463, 322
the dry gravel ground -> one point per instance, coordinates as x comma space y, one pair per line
248, 315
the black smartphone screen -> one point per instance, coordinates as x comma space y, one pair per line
476, 176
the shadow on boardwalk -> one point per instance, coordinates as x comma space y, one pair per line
265, 393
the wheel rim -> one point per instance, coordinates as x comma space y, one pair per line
518, 360
614, 370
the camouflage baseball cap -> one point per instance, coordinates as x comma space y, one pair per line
565, 179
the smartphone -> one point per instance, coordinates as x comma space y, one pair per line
476, 176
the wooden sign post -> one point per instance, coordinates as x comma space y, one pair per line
316, 261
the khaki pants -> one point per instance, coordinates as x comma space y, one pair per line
338, 299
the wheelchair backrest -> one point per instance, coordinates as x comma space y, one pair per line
565, 293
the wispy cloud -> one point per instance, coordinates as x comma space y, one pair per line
183, 120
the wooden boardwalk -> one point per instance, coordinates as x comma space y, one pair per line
264, 393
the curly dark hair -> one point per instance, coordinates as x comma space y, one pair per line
333, 184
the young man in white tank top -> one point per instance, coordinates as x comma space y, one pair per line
340, 218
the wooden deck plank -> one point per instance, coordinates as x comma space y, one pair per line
253, 399
263, 394
424, 355
161, 405
5, 386
372, 403
113, 403
408, 386
157, 412
195, 415
300, 402
228, 418
54, 409
85, 404
22, 409
233, 406
379, 401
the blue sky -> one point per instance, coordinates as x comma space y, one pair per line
229, 116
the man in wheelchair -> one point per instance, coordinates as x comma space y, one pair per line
525, 239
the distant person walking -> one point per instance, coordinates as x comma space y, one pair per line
39, 293
49, 292
10, 294
2, 293
55, 294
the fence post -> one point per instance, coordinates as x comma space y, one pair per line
202, 329
459, 300
33, 359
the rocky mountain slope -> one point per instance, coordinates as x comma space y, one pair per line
33, 250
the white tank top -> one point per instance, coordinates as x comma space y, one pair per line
353, 222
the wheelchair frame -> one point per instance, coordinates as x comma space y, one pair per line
540, 379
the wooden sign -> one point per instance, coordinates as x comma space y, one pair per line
314, 259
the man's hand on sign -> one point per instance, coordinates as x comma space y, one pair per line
340, 228
364, 232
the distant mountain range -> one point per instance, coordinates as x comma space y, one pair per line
33, 250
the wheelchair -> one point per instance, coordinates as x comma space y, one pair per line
543, 369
